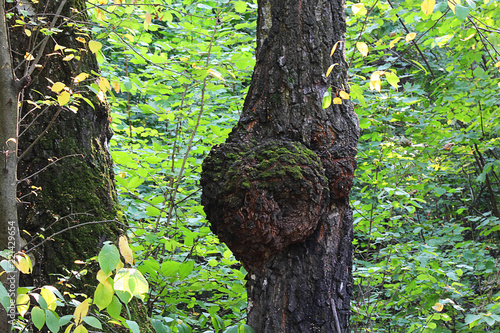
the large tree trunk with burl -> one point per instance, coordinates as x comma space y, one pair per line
277, 191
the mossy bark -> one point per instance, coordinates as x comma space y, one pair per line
66, 176
277, 192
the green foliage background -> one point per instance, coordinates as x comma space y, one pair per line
426, 194
427, 184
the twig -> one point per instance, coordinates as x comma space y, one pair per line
45, 167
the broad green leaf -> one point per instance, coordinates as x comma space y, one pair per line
94, 46
134, 327
38, 317
103, 295
461, 12
52, 321
327, 98
108, 258
92, 321
240, 6
114, 308
4, 297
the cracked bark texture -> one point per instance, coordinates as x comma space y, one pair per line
277, 191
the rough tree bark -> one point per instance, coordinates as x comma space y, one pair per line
277, 191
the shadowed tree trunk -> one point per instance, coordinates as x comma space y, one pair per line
277, 191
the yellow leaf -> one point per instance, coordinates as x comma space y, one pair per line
80, 329
104, 84
329, 70
452, 3
129, 37
23, 262
184, 59
344, 95
63, 98
117, 2
27, 32
116, 86
375, 83
101, 276
23, 304
337, 100
101, 96
147, 21
100, 15
79, 262
49, 297
358, 9
81, 311
216, 74
57, 87
411, 36
363, 48
68, 57
125, 250
80, 77
497, 64
58, 47
498, 84
68, 329
103, 2
428, 6
28, 56
438, 307
81, 40
391, 44
335, 47
94, 46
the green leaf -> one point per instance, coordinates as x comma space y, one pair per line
327, 98
52, 321
114, 308
38, 317
103, 295
240, 6
92, 321
134, 327
108, 258
461, 12
4, 297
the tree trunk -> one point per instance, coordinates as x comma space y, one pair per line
9, 230
65, 170
277, 191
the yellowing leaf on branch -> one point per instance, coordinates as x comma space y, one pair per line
104, 84
49, 297
27, 32
100, 15
81, 311
335, 47
363, 48
28, 56
94, 46
393, 79
344, 95
68, 57
57, 87
337, 100
428, 6
125, 250
147, 21
80, 77
116, 86
452, 3
375, 83
392, 43
63, 98
59, 47
81, 40
23, 303
23, 262
438, 307
497, 65
129, 37
411, 36
359, 9
216, 74
329, 70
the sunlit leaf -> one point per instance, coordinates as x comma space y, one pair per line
344, 95
23, 262
411, 36
81, 40
363, 48
81, 311
147, 20
329, 70
428, 6
240, 6
94, 46
63, 98
392, 78
57, 87
49, 297
334, 48
104, 84
358, 9
68, 57
125, 249
393, 42
23, 303
28, 56
116, 86
80, 77
337, 100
